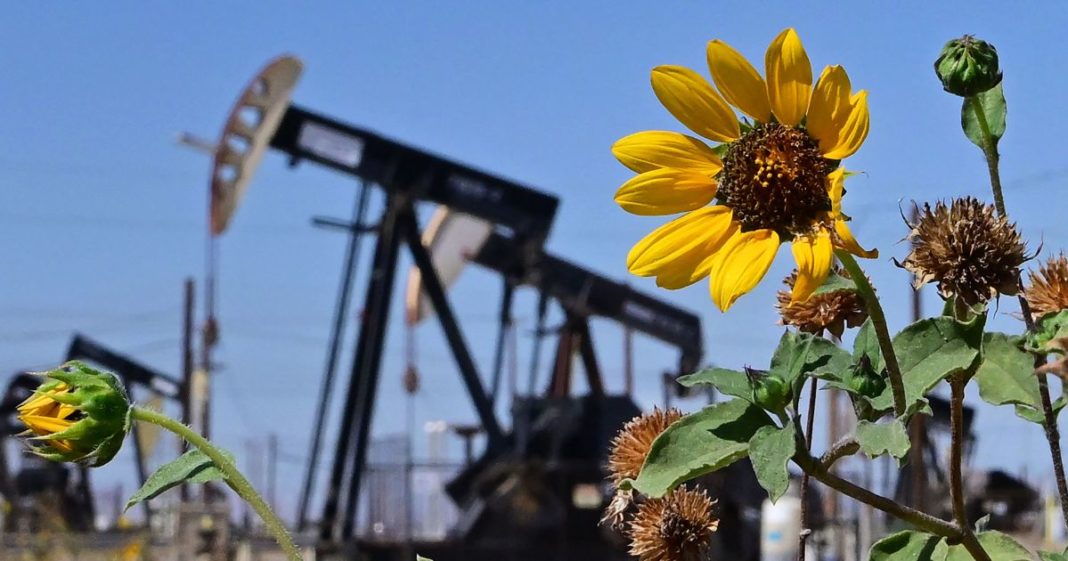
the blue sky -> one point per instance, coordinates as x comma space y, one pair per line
102, 214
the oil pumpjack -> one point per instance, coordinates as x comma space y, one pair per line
537, 489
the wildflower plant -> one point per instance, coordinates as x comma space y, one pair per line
776, 176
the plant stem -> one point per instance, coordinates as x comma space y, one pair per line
956, 459
1053, 437
810, 418
990, 150
846, 446
920, 520
234, 478
878, 320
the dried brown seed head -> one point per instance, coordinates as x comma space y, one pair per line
966, 248
632, 444
1047, 292
676, 527
830, 311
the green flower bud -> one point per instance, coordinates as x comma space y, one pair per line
78, 414
769, 391
968, 66
864, 380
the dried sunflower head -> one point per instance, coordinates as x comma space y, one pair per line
675, 527
1047, 290
965, 247
634, 440
829, 311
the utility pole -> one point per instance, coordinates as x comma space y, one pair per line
272, 470
187, 366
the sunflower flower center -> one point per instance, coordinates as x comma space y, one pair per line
775, 177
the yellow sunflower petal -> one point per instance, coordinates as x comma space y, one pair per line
694, 103
829, 107
814, 254
740, 265
738, 81
665, 191
688, 238
835, 190
36, 403
649, 150
45, 425
853, 131
845, 240
695, 265
789, 77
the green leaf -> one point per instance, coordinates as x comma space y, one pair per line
836, 283
770, 450
930, 350
421, 558
876, 439
1007, 373
1053, 556
703, 442
999, 546
867, 344
728, 382
1035, 415
908, 546
992, 102
801, 353
1049, 332
193, 466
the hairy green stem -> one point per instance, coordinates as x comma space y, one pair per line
920, 520
234, 478
1049, 424
810, 417
956, 459
846, 446
878, 320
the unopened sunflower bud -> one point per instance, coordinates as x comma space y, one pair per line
769, 391
864, 380
968, 66
78, 414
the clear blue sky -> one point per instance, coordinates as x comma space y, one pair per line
101, 213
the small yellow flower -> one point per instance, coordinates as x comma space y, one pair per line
77, 414
778, 179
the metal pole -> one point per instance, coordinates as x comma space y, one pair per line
433, 288
187, 366
628, 361
272, 470
337, 331
502, 333
539, 336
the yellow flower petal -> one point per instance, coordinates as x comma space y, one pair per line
829, 107
649, 150
738, 81
843, 237
694, 103
814, 254
43, 426
680, 244
740, 265
789, 77
852, 132
845, 240
665, 191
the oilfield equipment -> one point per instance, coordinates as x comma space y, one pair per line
537, 489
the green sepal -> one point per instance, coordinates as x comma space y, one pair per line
835, 283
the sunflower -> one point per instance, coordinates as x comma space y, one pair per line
773, 178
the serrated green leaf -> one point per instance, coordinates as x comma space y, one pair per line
908, 546
1006, 373
770, 451
876, 439
993, 105
702, 442
999, 546
802, 353
193, 466
930, 350
836, 283
728, 382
